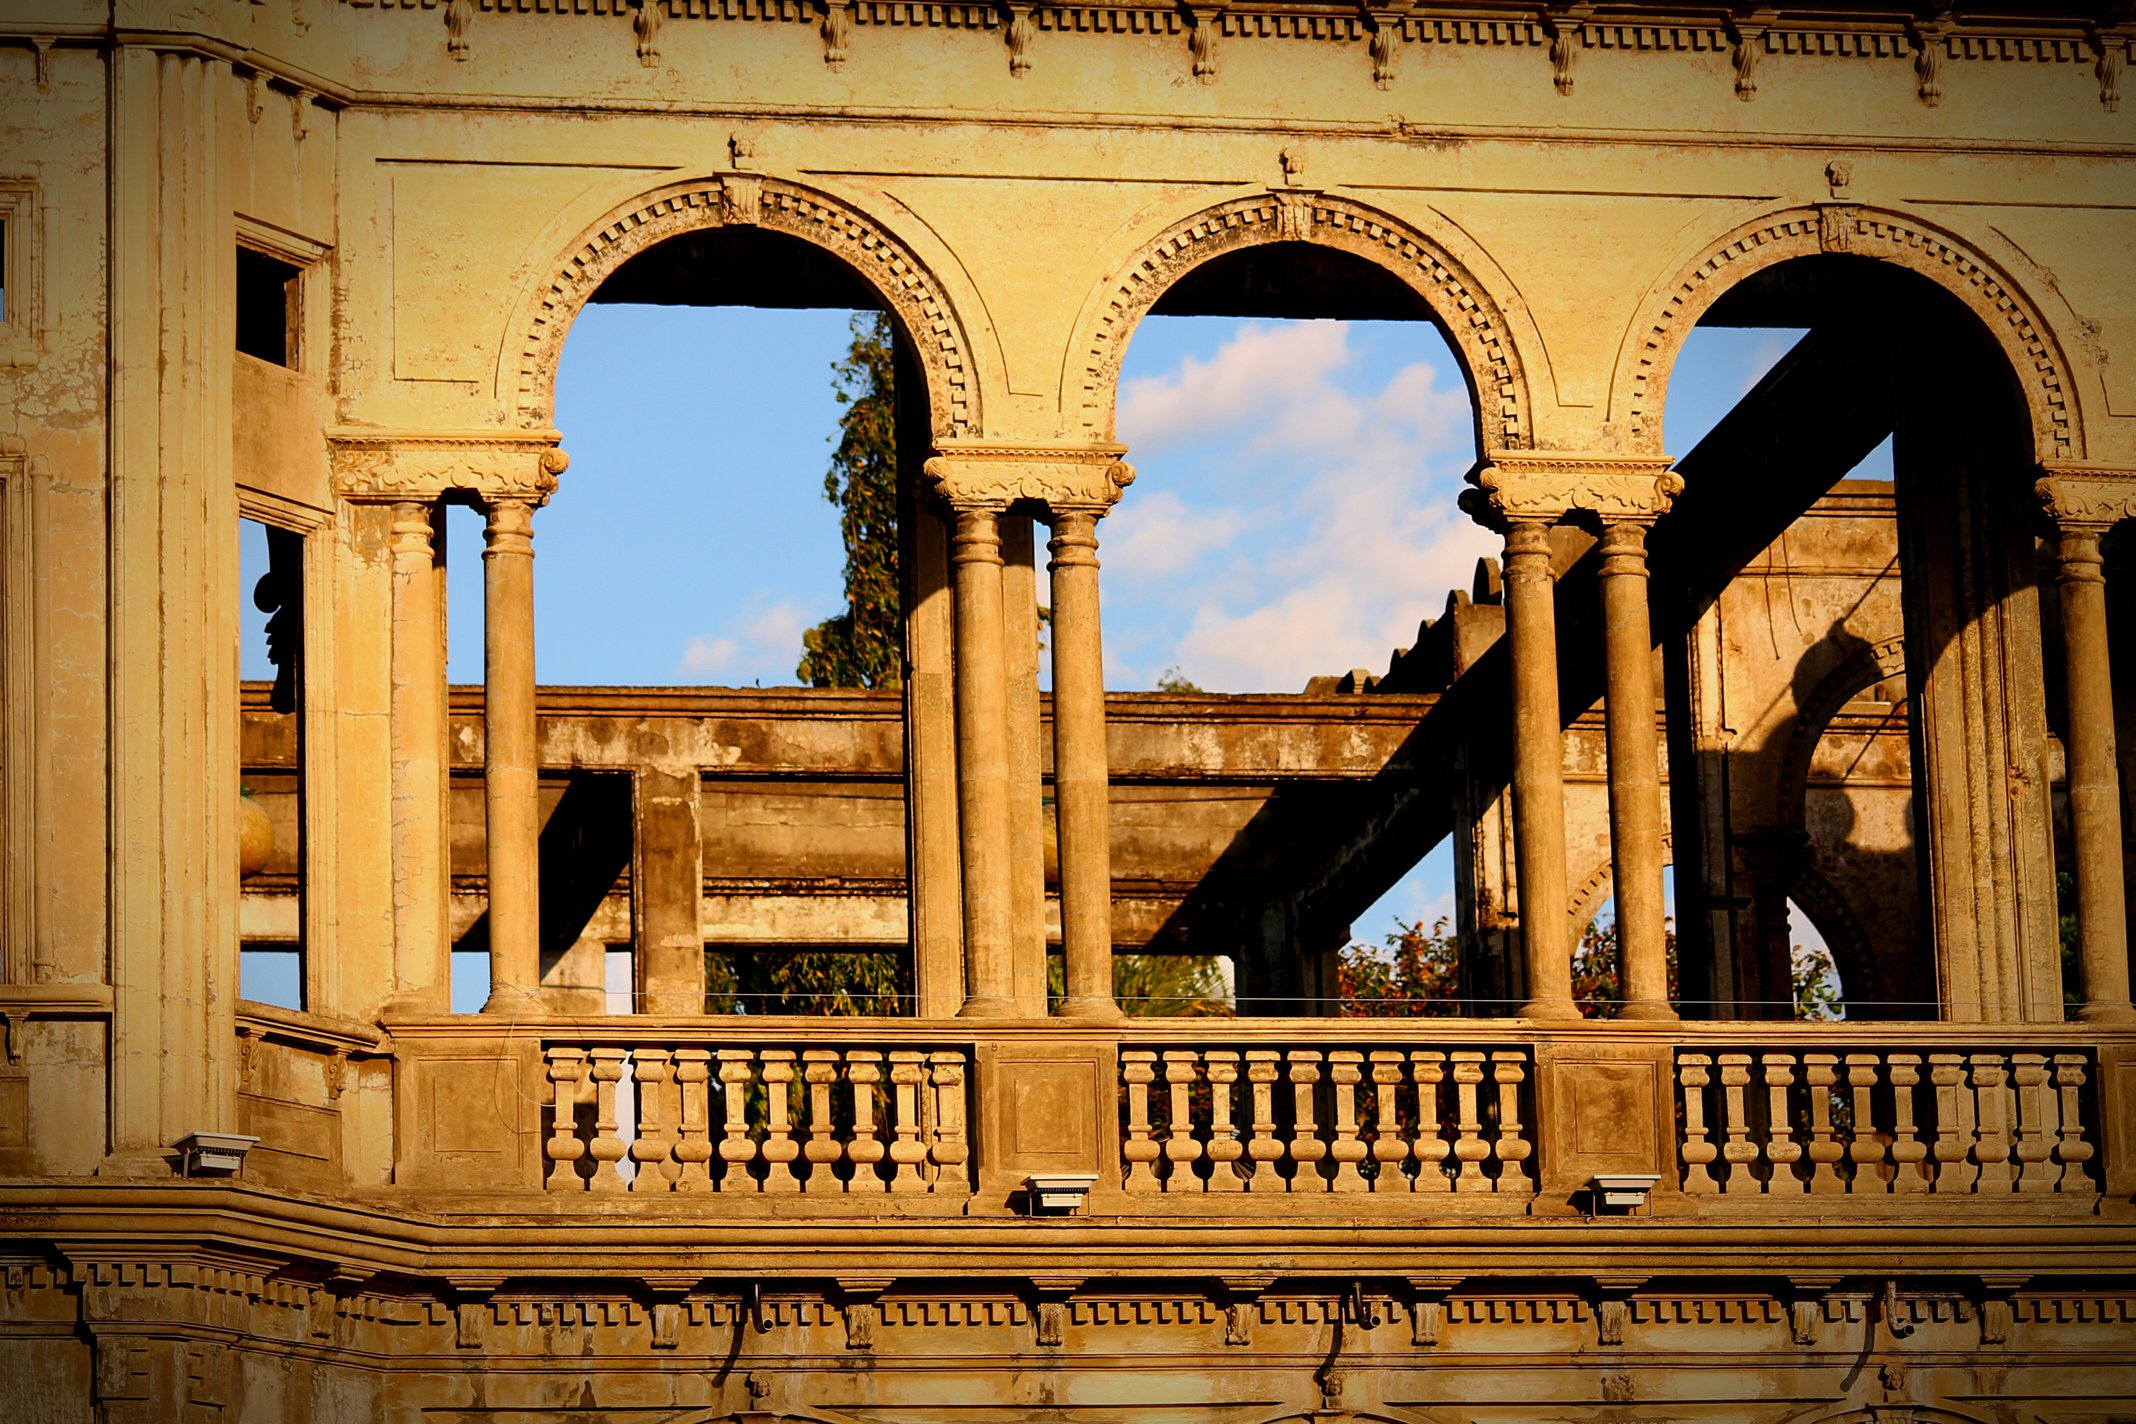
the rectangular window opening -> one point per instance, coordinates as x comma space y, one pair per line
267, 291
271, 961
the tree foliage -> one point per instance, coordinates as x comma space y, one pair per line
863, 646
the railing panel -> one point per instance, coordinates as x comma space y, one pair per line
1368, 1120
757, 1120
1863, 1122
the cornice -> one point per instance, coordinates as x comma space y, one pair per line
1551, 484
974, 473
2087, 496
389, 466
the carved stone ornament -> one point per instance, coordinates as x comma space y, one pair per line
2087, 496
1078, 476
1549, 484
386, 465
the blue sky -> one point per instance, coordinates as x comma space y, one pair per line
1294, 513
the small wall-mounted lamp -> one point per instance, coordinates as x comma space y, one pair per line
1619, 1193
214, 1154
1057, 1193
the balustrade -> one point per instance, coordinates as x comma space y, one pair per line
1351, 1121
1976, 1123
821, 1121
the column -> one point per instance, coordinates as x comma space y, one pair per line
1081, 779
1027, 788
511, 776
1634, 773
2094, 780
421, 927
1538, 772
667, 890
983, 760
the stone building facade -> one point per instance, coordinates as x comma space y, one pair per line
312, 263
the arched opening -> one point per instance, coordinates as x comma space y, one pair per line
723, 797
1301, 426
1789, 565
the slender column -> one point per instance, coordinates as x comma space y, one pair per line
667, 890
983, 760
1538, 772
1027, 810
1634, 774
1081, 794
421, 934
511, 784
2094, 780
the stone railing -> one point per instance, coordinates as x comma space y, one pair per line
712, 1116
1941, 1119
1379, 1119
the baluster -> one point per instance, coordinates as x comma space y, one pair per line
1224, 1145
1739, 1152
1864, 1148
819, 1070
606, 1148
693, 1152
1306, 1148
1509, 1067
2028, 1075
1431, 1149
654, 1074
1953, 1147
1781, 1148
567, 1089
779, 1148
2073, 1151
1909, 1172
1991, 1118
1181, 1148
1693, 1071
906, 1150
1263, 1150
737, 1149
1389, 1149
864, 1075
1819, 1072
1470, 1150
948, 1148
1138, 1069
1344, 1073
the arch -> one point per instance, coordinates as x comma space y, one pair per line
1864, 668
1472, 320
1844, 934
1588, 897
915, 297
1639, 386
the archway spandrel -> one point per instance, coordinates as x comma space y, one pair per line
1471, 317
907, 286
1639, 390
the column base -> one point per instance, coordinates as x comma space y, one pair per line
1651, 1010
2106, 1011
992, 1007
512, 1000
414, 1004
1552, 1009
1089, 1008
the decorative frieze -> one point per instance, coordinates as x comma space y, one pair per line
1087, 477
2093, 497
389, 466
1550, 485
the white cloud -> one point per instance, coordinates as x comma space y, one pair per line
1158, 535
762, 643
1261, 366
707, 657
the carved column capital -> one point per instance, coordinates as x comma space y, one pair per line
973, 474
400, 466
1511, 486
2086, 497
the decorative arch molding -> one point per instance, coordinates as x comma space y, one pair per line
1472, 319
1587, 899
1640, 386
915, 296
1863, 668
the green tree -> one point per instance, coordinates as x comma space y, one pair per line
863, 646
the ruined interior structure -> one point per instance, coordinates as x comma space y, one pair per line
312, 263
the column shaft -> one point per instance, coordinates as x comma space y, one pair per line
421, 929
2094, 781
983, 762
1634, 775
1081, 778
1538, 772
511, 778
1027, 810
667, 890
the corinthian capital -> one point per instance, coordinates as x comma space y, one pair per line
1548, 485
1059, 476
2095, 497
